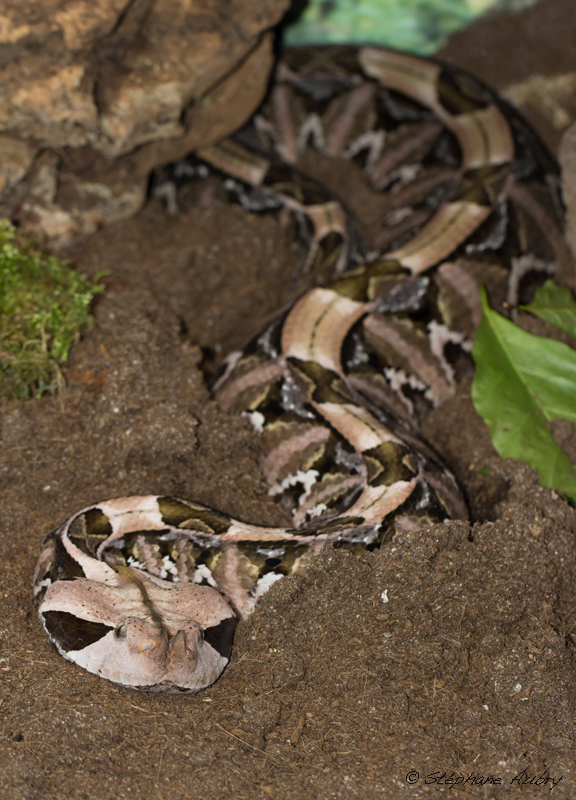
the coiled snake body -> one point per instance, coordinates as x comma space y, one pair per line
146, 591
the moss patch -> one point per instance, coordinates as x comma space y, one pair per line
44, 306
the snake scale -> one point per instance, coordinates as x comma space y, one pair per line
146, 591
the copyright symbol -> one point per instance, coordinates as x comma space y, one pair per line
412, 776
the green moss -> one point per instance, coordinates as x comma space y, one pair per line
44, 307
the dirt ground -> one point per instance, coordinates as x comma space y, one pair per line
448, 653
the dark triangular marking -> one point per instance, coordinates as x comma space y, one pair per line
73, 633
220, 636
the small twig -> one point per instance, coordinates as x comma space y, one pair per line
257, 749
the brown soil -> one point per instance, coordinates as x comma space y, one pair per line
449, 651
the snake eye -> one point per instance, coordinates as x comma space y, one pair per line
121, 631
200, 635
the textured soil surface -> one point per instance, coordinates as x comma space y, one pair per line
448, 653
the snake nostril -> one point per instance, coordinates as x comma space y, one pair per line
178, 644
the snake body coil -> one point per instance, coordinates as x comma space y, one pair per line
146, 591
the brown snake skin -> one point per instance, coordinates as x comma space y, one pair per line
146, 591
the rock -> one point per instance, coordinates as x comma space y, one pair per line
16, 158
115, 88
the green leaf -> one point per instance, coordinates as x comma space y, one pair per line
419, 26
555, 304
523, 381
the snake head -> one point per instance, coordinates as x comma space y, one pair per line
174, 638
